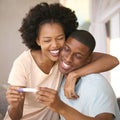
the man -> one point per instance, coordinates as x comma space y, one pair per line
96, 100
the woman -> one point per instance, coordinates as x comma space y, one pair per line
44, 31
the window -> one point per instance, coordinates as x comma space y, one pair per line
81, 8
113, 30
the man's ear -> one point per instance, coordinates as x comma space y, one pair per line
89, 59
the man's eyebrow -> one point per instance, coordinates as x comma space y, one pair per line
79, 52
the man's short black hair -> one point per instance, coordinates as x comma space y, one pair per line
84, 37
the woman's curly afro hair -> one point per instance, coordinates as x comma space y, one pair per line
46, 12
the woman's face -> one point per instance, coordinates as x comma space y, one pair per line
51, 39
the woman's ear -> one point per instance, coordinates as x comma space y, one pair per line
38, 42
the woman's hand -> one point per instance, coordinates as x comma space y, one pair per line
16, 102
69, 86
14, 97
49, 97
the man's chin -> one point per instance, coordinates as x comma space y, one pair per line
64, 71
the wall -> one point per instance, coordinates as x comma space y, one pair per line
11, 15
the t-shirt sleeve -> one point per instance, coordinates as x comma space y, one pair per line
18, 75
104, 99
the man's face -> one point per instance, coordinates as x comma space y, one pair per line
73, 56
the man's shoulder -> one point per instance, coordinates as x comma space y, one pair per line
95, 83
95, 80
93, 76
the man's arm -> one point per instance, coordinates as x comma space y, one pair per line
70, 113
50, 98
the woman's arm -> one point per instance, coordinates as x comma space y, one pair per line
16, 101
100, 62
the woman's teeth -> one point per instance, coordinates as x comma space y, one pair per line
54, 51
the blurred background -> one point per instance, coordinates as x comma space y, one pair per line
100, 17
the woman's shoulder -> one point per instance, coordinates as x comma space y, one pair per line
24, 58
25, 55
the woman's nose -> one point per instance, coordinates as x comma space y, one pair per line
54, 43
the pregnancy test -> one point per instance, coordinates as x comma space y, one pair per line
27, 90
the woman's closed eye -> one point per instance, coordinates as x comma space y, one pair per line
46, 40
60, 38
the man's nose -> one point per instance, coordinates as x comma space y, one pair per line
69, 58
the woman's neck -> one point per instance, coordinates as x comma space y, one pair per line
44, 64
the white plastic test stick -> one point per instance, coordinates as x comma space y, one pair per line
27, 90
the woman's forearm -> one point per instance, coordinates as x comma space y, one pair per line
16, 103
99, 63
15, 113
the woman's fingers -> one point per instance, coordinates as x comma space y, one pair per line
13, 95
46, 94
